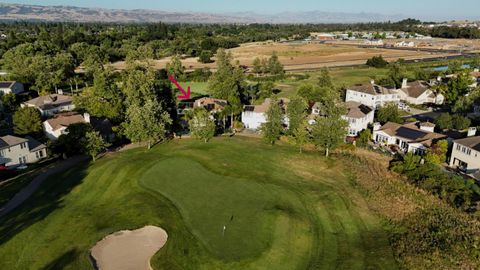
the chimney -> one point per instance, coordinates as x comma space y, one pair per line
86, 116
404, 83
376, 126
472, 131
426, 126
439, 78
60, 91
475, 70
372, 82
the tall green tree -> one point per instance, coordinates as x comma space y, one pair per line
229, 81
389, 113
147, 123
94, 144
296, 112
444, 121
176, 68
275, 68
329, 132
202, 126
325, 80
301, 135
27, 121
273, 128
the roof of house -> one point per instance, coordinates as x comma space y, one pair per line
357, 110
475, 74
416, 88
218, 103
10, 140
65, 120
471, 142
7, 84
411, 132
50, 101
34, 145
427, 124
262, 108
372, 89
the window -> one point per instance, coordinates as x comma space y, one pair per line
40, 153
24, 159
458, 147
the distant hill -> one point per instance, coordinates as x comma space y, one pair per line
15, 12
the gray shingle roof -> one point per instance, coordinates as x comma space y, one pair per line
471, 142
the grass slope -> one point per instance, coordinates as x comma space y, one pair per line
282, 210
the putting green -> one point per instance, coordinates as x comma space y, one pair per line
280, 209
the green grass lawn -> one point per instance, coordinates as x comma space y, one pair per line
197, 88
281, 209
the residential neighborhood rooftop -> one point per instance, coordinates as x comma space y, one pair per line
10, 140
64, 120
357, 109
372, 89
471, 142
411, 132
50, 101
416, 88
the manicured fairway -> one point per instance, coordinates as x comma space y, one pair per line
280, 209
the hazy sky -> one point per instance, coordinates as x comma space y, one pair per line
425, 9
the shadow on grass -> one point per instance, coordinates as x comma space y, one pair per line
44, 201
63, 260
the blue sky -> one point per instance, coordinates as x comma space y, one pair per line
440, 9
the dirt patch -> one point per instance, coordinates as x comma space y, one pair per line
125, 250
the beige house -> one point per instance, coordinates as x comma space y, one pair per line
359, 116
411, 137
51, 104
210, 104
57, 126
253, 116
372, 95
466, 155
419, 92
15, 150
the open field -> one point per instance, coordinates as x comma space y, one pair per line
281, 210
301, 56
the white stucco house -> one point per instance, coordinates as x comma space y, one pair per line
253, 116
359, 116
9, 87
372, 95
15, 151
51, 104
410, 137
419, 92
57, 126
466, 155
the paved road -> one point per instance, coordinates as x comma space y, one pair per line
43, 174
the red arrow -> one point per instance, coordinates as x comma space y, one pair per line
186, 95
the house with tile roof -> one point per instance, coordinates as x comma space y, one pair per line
419, 92
465, 155
51, 104
372, 95
15, 150
57, 126
411, 137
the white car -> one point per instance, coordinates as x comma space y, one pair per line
22, 167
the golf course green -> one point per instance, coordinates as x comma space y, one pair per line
232, 203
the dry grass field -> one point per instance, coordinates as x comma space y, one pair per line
301, 56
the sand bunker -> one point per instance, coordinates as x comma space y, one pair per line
129, 250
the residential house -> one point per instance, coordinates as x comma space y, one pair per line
253, 116
57, 126
11, 87
374, 42
405, 44
51, 104
419, 92
410, 137
359, 116
475, 74
16, 150
210, 104
466, 155
372, 95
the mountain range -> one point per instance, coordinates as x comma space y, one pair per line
16, 12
